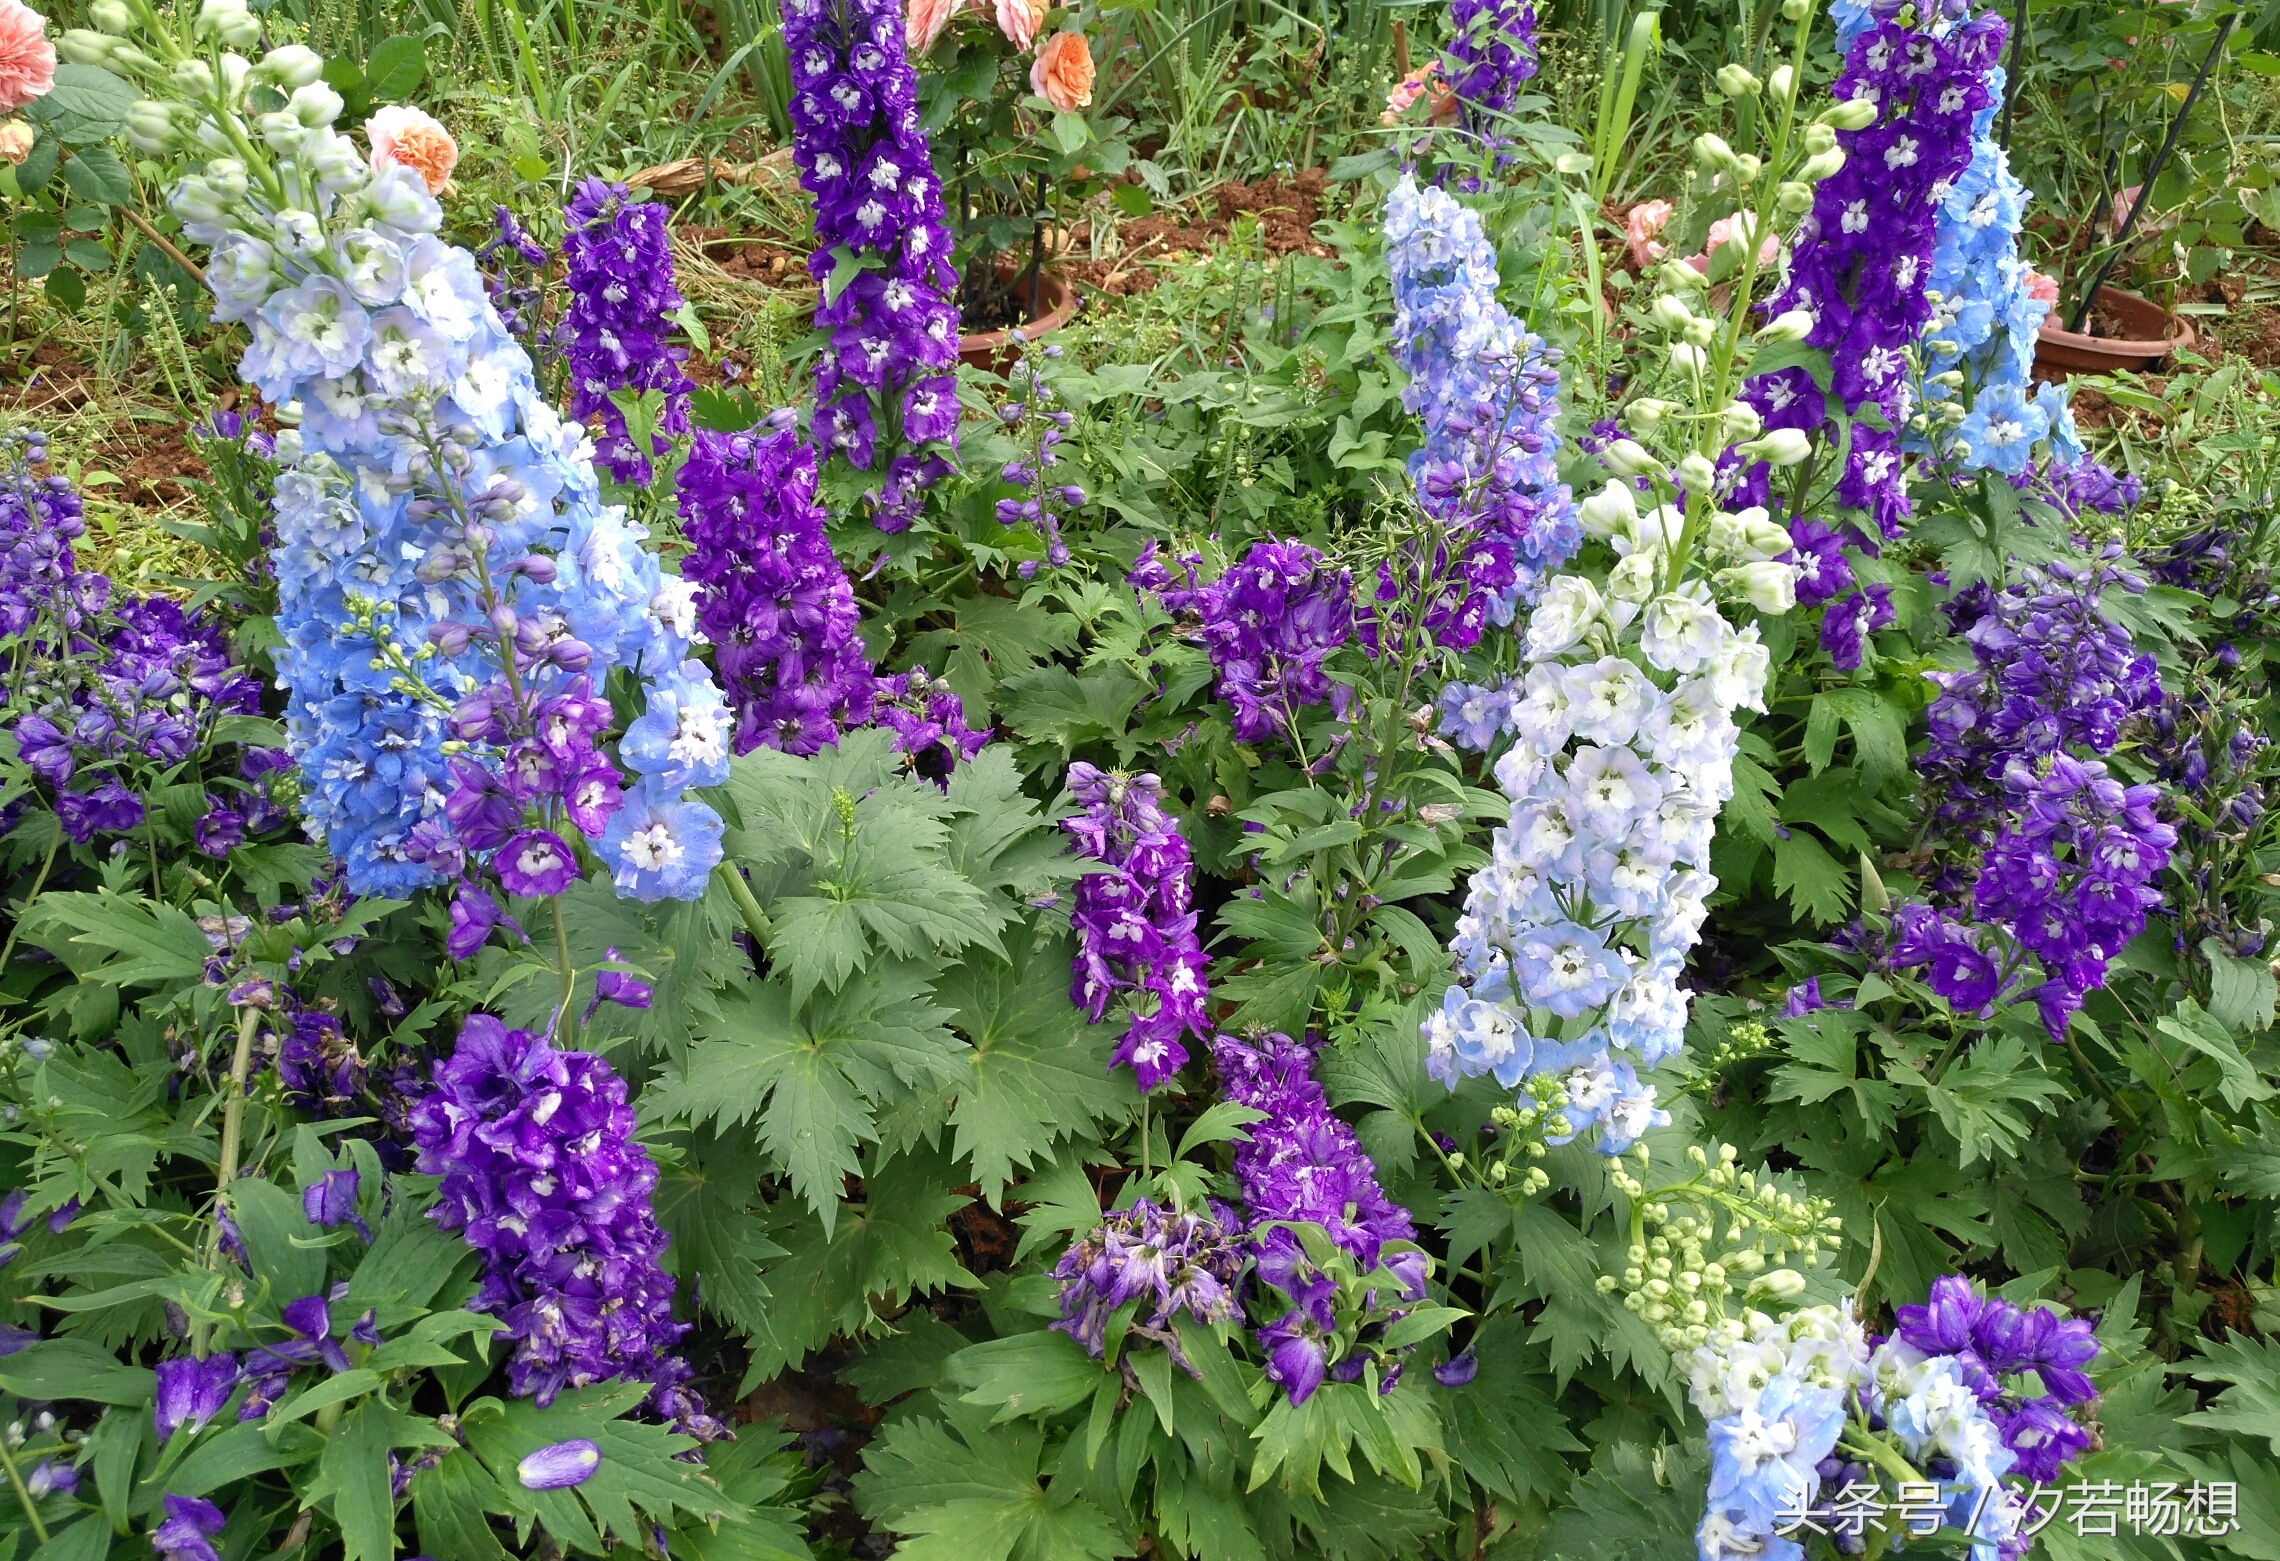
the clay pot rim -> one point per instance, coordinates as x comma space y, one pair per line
2121, 346
1053, 288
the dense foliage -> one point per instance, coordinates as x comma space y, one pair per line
1549, 901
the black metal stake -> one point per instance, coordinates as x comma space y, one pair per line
2152, 172
2011, 74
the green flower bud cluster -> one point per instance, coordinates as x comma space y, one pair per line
1725, 1247
1743, 1040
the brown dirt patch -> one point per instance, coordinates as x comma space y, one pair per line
1285, 210
751, 259
155, 464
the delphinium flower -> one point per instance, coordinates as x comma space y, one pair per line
518, 296
929, 722
1134, 917
771, 595
1036, 421
435, 520
1774, 1391
1861, 261
1168, 1260
618, 269
542, 1175
1301, 1163
189, 1530
1993, 1344
886, 396
1487, 392
1491, 54
1574, 935
104, 685
2081, 487
1270, 624
2067, 855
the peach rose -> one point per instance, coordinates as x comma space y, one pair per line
2043, 289
1019, 20
15, 142
1062, 73
27, 59
1425, 81
925, 23
1641, 225
404, 135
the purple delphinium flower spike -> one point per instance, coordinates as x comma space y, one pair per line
1169, 1261
1135, 920
618, 267
543, 1176
886, 395
1270, 623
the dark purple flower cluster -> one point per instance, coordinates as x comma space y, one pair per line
1167, 1261
772, 597
2071, 873
1991, 1340
519, 296
1491, 55
2050, 673
1270, 623
1301, 1163
1850, 619
188, 1533
191, 1392
929, 723
2087, 485
1135, 920
543, 1176
886, 388
104, 683
618, 263
1863, 255
1038, 507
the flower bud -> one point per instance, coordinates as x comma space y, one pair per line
1647, 412
194, 200
1696, 474
1632, 580
1819, 138
1740, 420
1794, 197
1768, 586
1680, 277
282, 132
242, 31
1762, 538
292, 67
1796, 10
1791, 325
1821, 165
1852, 114
1736, 81
193, 78
115, 17
1747, 167
80, 46
227, 177
236, 71
1713, 152
1629, 458
1670, 312
1688, 359
1781, 85
1610, 511
150, 128
214, 15
1783, 1284
1781, 447
1701, 332
314, 105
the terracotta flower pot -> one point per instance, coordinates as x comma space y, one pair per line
2153, 335
994, 350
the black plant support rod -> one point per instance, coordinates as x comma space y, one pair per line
2152, 172
2013, 72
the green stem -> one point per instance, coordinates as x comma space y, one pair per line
38, 884
755, 919
31, 1508
569, 971
233, 1116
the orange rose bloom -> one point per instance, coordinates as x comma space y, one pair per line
1063, 72
925, 22
1018, 20
406, 136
